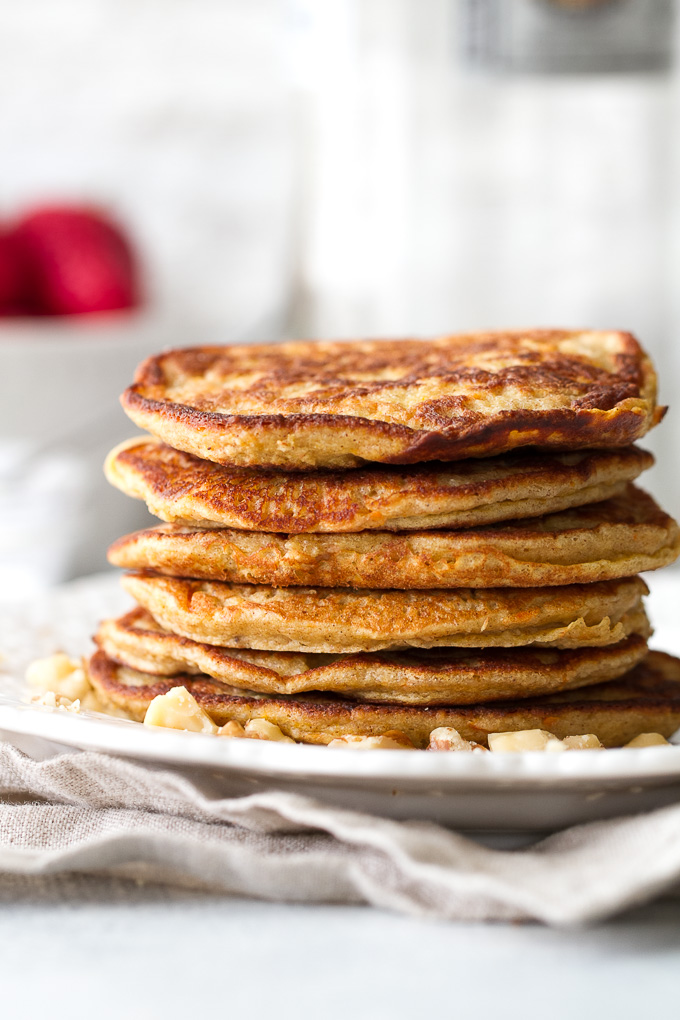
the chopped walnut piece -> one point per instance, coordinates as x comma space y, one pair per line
179, 710
541, 740
63, 683
393, 740
647, 740
59, 674
584, 742
231, 729
446, 738
262, 729
555, 746
521, 740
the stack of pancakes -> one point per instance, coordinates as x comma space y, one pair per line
372, 536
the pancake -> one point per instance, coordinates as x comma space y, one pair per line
603, 541
342, 620
305, 405
425, 677
182, 489
646, 699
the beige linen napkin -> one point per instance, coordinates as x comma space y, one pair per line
90, 813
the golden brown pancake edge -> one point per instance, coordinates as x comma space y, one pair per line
617, 538
347, 620
444, 676
646, 699
181, 488
305, 404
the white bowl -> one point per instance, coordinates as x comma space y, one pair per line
59, 416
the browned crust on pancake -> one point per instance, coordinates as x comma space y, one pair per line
646, 699
344, 620
184, 489
617, 538
426, 677
304, 405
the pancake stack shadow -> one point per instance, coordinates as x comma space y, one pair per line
371, 538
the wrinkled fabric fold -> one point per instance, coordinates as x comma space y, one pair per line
90, 813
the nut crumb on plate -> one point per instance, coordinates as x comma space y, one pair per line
48, 699
231, 729
446, 738
541, 740
390, 741
647, 740
262, 729
179, 710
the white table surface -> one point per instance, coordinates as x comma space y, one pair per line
108, 949
172, 955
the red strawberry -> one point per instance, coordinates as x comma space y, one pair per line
14, 285
79, 261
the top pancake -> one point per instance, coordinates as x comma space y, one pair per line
304, 405
183, 489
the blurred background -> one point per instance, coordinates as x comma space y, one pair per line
249, 170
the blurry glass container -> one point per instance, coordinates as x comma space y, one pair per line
41, 501
60, 379
579, 102
450, 187
558, 36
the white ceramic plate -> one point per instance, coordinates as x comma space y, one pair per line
521, 792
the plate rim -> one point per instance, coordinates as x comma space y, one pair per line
525, 769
